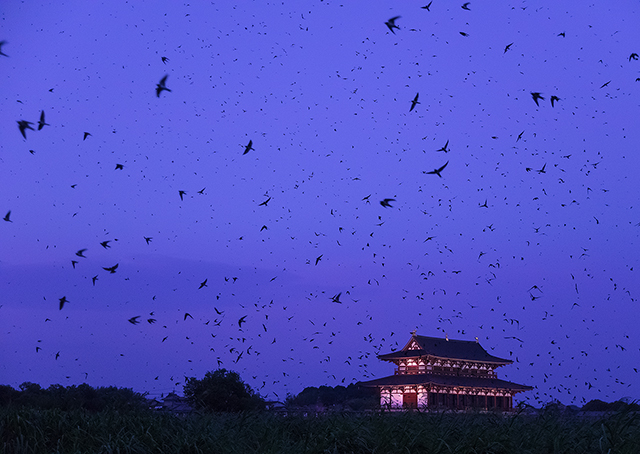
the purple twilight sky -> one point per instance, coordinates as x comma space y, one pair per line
528, 240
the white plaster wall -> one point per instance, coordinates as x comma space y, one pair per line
423, 399
385, 398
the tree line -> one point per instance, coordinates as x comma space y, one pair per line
73, 397
218, 391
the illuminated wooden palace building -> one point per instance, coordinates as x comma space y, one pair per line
435, 373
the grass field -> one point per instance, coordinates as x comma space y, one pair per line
54, 431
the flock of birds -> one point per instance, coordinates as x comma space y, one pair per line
265, 332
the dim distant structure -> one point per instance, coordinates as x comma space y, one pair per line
445, 374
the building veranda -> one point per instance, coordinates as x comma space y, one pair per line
436, 373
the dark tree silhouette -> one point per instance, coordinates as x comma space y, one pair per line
73, 397
353, 397
222, 391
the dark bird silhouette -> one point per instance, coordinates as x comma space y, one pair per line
336, 298
2, 43
445, 149
536, 96
57, 355
248, 147
203, 284
181, 193
62, 301
542, 170
507, 47
318, 258
633, 56
562, 34
554, 98
519, 136
437, 171
105, 244
86, 134
464, 34
165, 60
385, 203
74, 263
119, 167
186, 314
94, 279
391, 23
80, 253
151, 321
242, 320
162, 86
41, 122
7, 217
23, 125
427, 6
414, 102
605, 84
148, 239
466, 6
201, 191
265, 202
111, 269
134, 320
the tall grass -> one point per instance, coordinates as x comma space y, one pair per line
77, 431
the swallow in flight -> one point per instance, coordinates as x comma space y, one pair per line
111, 269
445, 149
414, 102
437, 171
391, 23
386, 203
41, 122
23, 125
161, 86
535, 95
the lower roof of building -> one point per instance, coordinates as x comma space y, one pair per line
445, 380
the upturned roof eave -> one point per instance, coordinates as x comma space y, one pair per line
402, 354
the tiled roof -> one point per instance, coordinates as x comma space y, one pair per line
445, 380
442, 348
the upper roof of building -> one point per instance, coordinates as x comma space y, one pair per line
444, 348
